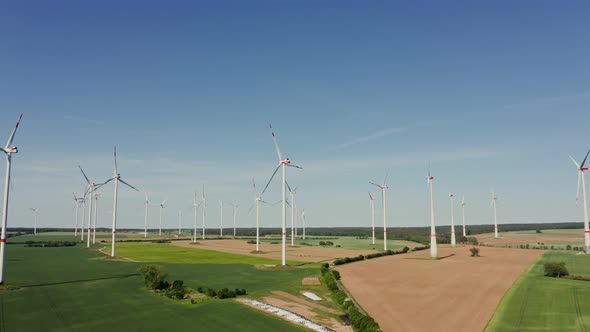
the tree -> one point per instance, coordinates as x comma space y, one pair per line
555, 269
153, 277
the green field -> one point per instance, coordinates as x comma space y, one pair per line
162, 252
62, 236
350, 242
73, 288
538, 303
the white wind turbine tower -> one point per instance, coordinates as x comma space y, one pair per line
303, 221
96, 196
582, 181
117, 178
179, 222
235, 210
92, 186
196, 207
383, 187
77, 203
36, 213
161, 205
463, 214
220, 219
372, 216
493, 203
145, 222
453, 239
257, 201
283, 163
204, 206
433, 246
8, 151
292, 193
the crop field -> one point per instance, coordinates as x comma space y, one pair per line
350, 242
62, 236
559, 238
295, 255
74, 288
412, 292
538, 303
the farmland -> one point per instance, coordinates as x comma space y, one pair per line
538, 303
74, 288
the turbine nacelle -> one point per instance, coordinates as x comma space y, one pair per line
285, 162
10, 150
430, 177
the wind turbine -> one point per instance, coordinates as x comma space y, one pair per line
221, 219
257, 201
493, 203
453, 240
36, 213
463, 214
145, 222
292, 193
179, 222
161, 205
581, 179
383, 187
92, 186
117, 178
196, 207
433, 247
8, 151
303, 219
235, 210
77, 203
96, 196
204, 206
372, 215
283, 163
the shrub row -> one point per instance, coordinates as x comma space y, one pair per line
347, 260
155, 279
360, 322
50, 244
326, 243
224, 293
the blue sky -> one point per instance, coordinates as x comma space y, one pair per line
493, 94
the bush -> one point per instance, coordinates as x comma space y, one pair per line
568, 247
555, 269
177, 291
153, 277
336, 274
474, 252
405, 249
538, 231
252, 242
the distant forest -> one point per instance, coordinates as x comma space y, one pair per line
416, 234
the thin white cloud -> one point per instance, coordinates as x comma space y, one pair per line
379, 134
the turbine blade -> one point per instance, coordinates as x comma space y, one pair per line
269, 181
385, 178
287, 202
87, 180
584, 161
115, 155
575, 162
11, 138
370, 196
250, 209
295, 166
288, 187
376, 185
274, 138
128, 185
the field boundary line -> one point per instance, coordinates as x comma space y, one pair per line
80, 281
345, 291
578, 309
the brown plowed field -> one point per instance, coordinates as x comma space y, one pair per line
458, 293
573, 236
297, 253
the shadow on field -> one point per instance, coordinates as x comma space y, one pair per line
82, 280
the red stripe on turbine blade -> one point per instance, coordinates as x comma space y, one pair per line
284, 234
432, 235
586, 232
2, 240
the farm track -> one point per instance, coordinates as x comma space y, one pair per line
578, 310
523, 307
80, 281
